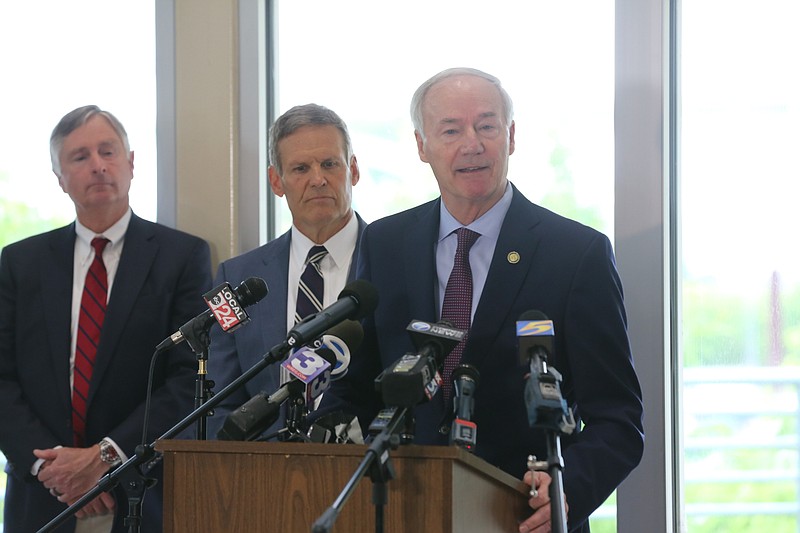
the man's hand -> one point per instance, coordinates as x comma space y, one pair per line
540, 521
103, 504
71, 472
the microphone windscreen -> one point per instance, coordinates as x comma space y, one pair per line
341, 340
534, 331
251, 290
465, 370
328, 355
349, 332
364, 293
533, 314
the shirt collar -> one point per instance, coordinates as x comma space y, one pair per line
339, 246
487, 224
115, 234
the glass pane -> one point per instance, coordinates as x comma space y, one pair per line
740, 289
58, 56
375, 58
364, 60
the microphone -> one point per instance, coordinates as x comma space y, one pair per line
338, 426
341, 341
258, 413
464, 431
535, 336
311, 368
415, 378
326, 359
225, 305
311, 375
546, 406
358, 299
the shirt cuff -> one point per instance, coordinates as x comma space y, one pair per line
38, 464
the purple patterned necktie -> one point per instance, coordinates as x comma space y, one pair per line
457, 304
311, 289
90, 322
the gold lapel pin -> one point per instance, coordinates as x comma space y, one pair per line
513, 257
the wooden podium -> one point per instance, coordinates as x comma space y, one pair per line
220, 486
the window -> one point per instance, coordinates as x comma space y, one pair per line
57, 68
57, 56
740, 268
365, 62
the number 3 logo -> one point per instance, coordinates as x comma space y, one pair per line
321, 385
307, 363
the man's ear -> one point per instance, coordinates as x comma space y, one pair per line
60, 183
355, 174
420, 146
275, 181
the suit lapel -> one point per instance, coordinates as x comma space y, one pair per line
138, 254
351, 273
56, 280
419, 244
276, 270
511, 264
420, 263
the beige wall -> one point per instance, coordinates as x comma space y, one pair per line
206, 122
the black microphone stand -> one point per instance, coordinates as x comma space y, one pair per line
130, 472
548, 410
198, 337
377, 462
554, 466
295, 416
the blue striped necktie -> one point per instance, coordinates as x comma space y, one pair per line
311, 289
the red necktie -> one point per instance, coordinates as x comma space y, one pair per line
457, 304
90, 322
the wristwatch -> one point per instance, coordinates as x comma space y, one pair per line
109, 454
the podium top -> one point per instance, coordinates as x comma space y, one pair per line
408, 451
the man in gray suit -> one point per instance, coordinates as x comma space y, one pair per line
312, 164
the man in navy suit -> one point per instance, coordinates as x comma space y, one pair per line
156, 277
312, 164
525, 258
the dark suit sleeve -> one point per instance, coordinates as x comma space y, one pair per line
355, 393
602, 384
21, 429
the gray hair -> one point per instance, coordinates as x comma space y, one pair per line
419, 96
74, 120
296, 118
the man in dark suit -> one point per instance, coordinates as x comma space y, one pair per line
153, 279
312, 164
524, 258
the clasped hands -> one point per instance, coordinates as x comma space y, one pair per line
69, 473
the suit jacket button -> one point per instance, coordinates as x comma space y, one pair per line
444, 430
